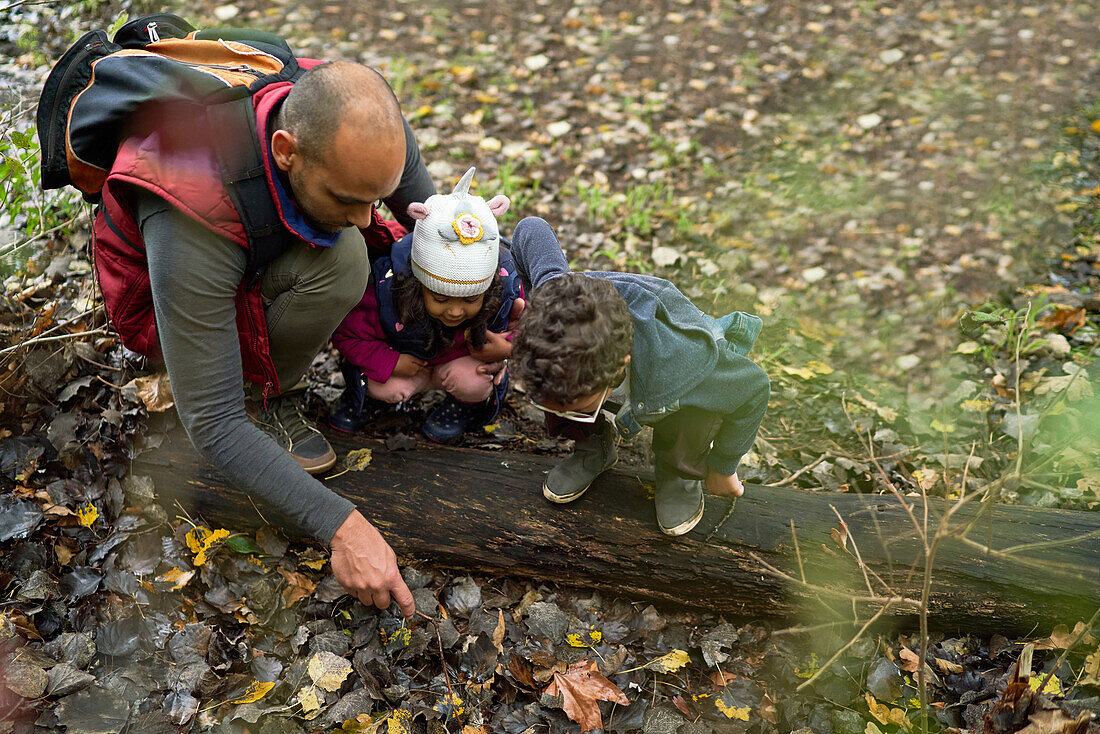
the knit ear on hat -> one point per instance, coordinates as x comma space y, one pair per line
418, 210
499, 204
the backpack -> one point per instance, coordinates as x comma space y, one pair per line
99, 88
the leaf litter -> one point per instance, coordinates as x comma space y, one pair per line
120, 617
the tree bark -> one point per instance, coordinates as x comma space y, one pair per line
476, 510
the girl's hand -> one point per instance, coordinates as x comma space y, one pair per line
723, 485
409, 366
496, 369
497, 347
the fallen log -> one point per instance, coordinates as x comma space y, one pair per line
781, 552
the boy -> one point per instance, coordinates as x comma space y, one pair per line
634, 345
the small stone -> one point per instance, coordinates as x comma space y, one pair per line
813, 275
226, 12
559, 128
884, 680
536, 62
891, 56
869, 120
907, 362
490, 144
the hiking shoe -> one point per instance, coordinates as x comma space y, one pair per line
679, 503
283, 419
451, 418
355, 408
572, 477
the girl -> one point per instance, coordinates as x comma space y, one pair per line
434, 316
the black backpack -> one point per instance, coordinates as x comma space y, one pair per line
99, 85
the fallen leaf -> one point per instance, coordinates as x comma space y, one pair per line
328, 670
1052, 688
669, 662
154, 391
87, 515
357, 460
1060, 637
580, 687
1056, 721
947, 667
911, 661
255, 691
300, 586
202, 540
309, 699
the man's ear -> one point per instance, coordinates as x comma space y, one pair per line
284, 146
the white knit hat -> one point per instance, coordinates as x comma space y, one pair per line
456, 240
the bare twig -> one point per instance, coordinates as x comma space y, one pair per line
60, 337
838, 653
798, 473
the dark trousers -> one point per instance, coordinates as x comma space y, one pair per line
681, 442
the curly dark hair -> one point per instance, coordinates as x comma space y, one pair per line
409, 301
573, 338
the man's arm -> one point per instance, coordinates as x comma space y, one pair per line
194, 275
537, 253
416, 183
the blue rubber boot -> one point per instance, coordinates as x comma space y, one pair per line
355, 408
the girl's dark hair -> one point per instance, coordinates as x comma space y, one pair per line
408, 298
573, 338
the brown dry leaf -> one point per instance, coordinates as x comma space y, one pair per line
155, 391
1067, 320
947, 667
1091, 675
581, 687
299, 586
721, 679
910, 660
683, 707
840, 536
521, 671
498, 633
1056, 721
1061, 637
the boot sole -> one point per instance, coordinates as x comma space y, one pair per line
686, 526
560, 500
316, 466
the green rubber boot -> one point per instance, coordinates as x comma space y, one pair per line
574, 475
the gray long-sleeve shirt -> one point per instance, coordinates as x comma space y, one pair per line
194, 275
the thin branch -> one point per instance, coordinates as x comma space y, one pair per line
60, 337
844, 648
798, 473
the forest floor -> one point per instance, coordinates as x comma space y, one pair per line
906, 192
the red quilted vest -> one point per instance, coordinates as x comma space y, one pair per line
173, 162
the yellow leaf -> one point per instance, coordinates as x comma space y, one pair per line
358, 460
450, 704
733, 712
255, 691
1096, 126
400, 722
328, 670
967, 348
1053, 687
803, 372
669, 662
880, 712
811, 666
819, 367
308, 699
316, 564
177, 577
585, 639
202, 540
87, 515
942, 427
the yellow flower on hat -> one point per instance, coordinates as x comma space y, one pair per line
468, 228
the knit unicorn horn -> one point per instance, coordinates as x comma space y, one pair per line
463, 186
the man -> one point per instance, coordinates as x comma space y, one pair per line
333, 144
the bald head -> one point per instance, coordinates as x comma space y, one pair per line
334, 95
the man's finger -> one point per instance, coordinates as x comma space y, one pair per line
381, 599
404, 599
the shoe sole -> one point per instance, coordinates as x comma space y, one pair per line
316, 466
686, 526
559, 500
